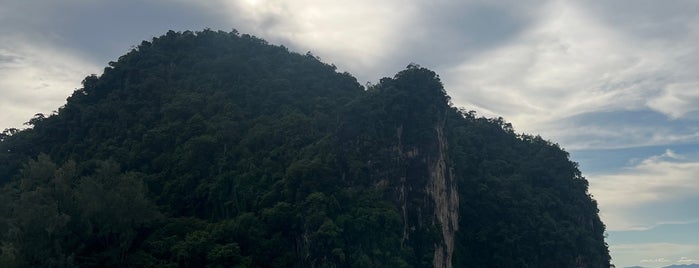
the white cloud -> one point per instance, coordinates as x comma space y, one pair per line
375, 39
48, 47
658, 260
657, 179
571, 63
359, 34
677, 99
35, 78
567, 64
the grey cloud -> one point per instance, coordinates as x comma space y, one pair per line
454, 31
663, 185
635, 118
8, 59
667, 28
648, 19
622, 129
101, 29
47, 47
436, 34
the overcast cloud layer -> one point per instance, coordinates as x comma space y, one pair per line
614, 82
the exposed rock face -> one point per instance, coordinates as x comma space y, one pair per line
425, 175
441, 188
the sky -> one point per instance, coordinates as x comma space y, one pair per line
615, 83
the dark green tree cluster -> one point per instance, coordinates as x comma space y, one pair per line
215, 149
59, 215
524, 204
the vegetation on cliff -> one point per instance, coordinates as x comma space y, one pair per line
217, 149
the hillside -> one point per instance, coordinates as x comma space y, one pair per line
693, 265
218, 149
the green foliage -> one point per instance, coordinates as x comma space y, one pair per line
524, 204
217, 149
56, 217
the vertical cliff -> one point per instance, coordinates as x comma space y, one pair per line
430, 178
441, 188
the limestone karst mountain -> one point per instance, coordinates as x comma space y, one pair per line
220, 150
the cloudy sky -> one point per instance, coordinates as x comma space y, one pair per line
616, 83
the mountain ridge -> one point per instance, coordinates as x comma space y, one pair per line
693, 265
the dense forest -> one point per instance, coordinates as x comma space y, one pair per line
217, 149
